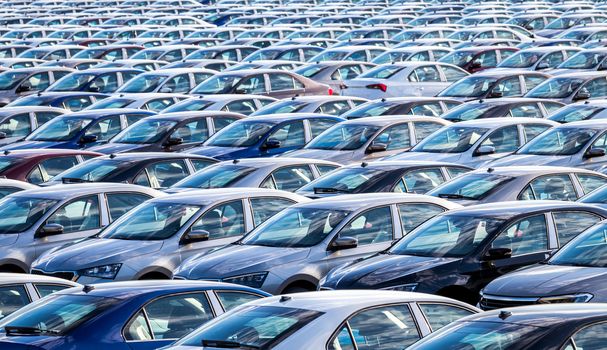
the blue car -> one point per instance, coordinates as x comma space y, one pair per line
265, 136
73, 101
137, 315
80, 129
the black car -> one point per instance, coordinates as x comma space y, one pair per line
457, 253
150, 169
503, 107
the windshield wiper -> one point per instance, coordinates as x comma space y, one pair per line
454, 196
226, 344
73, 180
318, 190
22, 330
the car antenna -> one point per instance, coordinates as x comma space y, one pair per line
88, 288
490, 170
112, 156
7, 152
285, 298
364, 164
236, 161
504, 314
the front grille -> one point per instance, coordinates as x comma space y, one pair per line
66, 275
492, 302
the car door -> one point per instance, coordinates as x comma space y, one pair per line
425, 81
283, 85
101, 131
16, 126
252, 85
191, 134
497, 144
285, 137
419, 181
289, 178
162, 174
393, 139
107, 82
50, 167
550, 187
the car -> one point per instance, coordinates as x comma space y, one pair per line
295, 249
265, 136
583, 61
156, 237
494, 84
221, 52
235, 103
18, 122
59, 215
82, 129
572, 87
103, 80
503, 107
295, 53
15, 63
15, 83
333, 73
109, 52
426, 106
332, 320
412, 53
474, 59
457, 253
576, 144
567, 21
491, 185
265, 82
264, 64
589, 109
349, 53
214, 64
72, 101
176, 80
169, 132
51, 52
371, 138
130, 308
477, 142
9, 186
403, 79
155, 102
382, 176
332, 105
36, 166
18, 290
73, 63
145, 65
546, 327
286, 174
158, 170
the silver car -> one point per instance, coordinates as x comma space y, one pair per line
154, 238
501, 184
332, 105
9, 186
477, 142
572, 87
34, 221
294, 250
334, 73
370, 138
589, 109
236, 103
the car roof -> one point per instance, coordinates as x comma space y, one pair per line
26, 109
530, 169
599, 124
355, 202
584, 75
497, 122
206, 197
61, 192
32, 153
280, 117
137, 156
194, 114
17, 278
398, 164
390, 119
100, 113
510, 209
275, 161
547, 315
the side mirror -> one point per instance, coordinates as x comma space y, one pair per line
88, 139
582, 95
498, 253
603, 66
542, 65
174, 141
344, 243
376, 147
50, 230
484, 150
195, 236
166, 90
594, 152
271, 143
94, 89
2, 135
25, 87
496, 94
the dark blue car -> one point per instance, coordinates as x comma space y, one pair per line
122, 315
80, 129
73, 101
265, 136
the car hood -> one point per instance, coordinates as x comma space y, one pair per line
8, 239
438, 157
382, 270
547, 280
238, 259
342, 157
532, 159
95, 252
109, 148
31, 145
217, 152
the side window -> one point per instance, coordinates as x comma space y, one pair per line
528, 110
325, 169
35, 176
200, 77
195, 131
413, 215
334, 108
601, 142
346, 72
53, 166
200, 164
372, 226
47, 289
169, 318
60, 74
106, 128
591, 182
80, 214
38, 81
552, 60
528, 235
551, 107
166, 174
158, 104
5, 191
550, 187
252, 85
120, 203
423, 180
395, 137
593, 337
17, 125
318, 125
245, 107
503, 139
487, 59
532, 81
225, 220
178, 84
43, 117
13, 298
76, 103
232, 299
265, 208
133, 118
220, 123
432, 109
455, 172
425, 74
440, 315
104, 83
281, 82
424, 129
571, 223
289, 135
597, 87
290, 178
509, 87
126, 76
532, 130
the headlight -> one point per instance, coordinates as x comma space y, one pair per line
409, 287
572, 298
253, 280
106, 271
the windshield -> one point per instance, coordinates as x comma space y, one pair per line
56, 314
559, 141
151, 221
111, 102
468, 111
251, 327
9, 80
288, 106
524, 59
584, 60
145, 131
556, 88
588, 249
18, 214
371, 109
240, 134
144, 83
458, 58
59, 129
453, 139
348, 180
93, 170
574, 113
296, 227
216, 176
72, 82
447, 236
383, 72
344, 137
470, 186
219, 84
470, 87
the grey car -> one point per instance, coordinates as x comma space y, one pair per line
154, 238
294, 250
152, 102
20, 82
370, 138
243, 104
489, 185
572, 87
286, 174
41, 219
477, 142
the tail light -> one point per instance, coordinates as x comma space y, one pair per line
330, 91
381, 87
